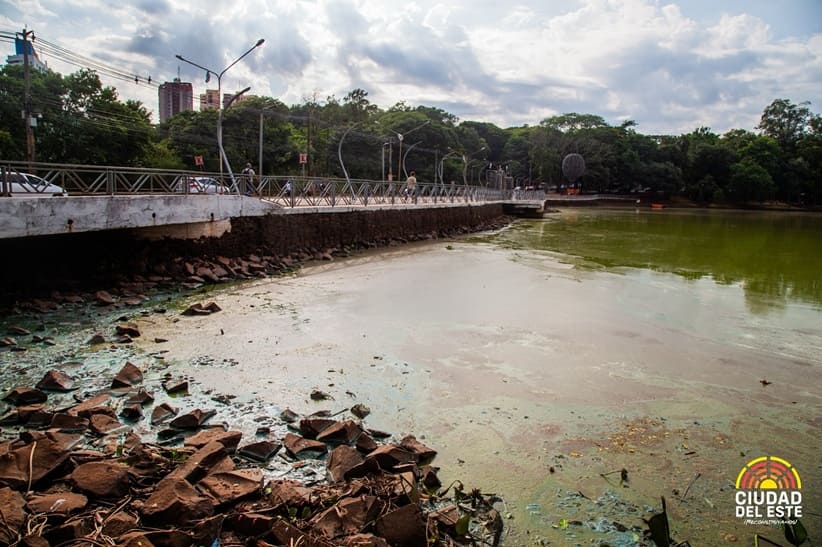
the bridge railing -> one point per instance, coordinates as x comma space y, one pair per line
287, 191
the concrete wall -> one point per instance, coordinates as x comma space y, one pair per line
77, 261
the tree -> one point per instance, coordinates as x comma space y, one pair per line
750, 181
786, 122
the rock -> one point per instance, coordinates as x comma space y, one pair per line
97, 339
388, 456
18, 466
128, 376
175, 386
20, 396
365, 540
18, 331
289, 416
311, 427
68, 423
55, 380
229, 439
103, 298
12, 504
7, 341
402, 527
347, 516
134, 539
317, 395
128, 329
342, 460
193, 419
162, 413
118, 524
207, 273
176, 502
289, 493
288, 534
210, 458
132, 412
260, 451
103, 479
103, 424
421, 451
228, 487
340, 433
63, 503
84, 408
200, 309
366, 444
296, 445
140, 397
360, 410
250, 524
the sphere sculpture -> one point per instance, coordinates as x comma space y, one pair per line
573, 167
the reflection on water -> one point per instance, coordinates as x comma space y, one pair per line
773, 255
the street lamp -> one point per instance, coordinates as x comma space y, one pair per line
400, 136
219, 76
383, 158
404, 170
263, 109
465, 164
442, 161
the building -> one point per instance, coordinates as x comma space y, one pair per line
210, 100
19, 57
175, 97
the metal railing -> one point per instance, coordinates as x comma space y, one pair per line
287, 191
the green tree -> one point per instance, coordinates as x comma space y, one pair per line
750, 181
786, 122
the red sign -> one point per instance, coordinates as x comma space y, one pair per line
303, 158
198, 160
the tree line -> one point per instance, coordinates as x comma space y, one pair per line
81, 121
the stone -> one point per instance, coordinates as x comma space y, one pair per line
175, 502
55, 380
341, 461
103, 424
360, 410
7, 341
296, 445
103, 298
162, 413
402, 527
175, 386
85, 407
128, 329
12, 504
366, 444
118, 524
193, 419
230, 486
288, 493
68, 423
421, 451
388, 456
365, 540
62, 503
140, 397
20, 396
311, 427
289, 416
132, 412
98, 338
347, 516
128, 376
103, 479
206, 460
18, 331
261, 450
288, 534
18, 467
229, 439
134, 539
340, 433
250, 524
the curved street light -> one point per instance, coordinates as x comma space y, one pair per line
400, 137
442, 161
219, 76
404, 170
465, 164
339, 154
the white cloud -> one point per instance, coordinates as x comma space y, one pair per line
509, 64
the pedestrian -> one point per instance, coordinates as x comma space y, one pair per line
248, 177
411, 184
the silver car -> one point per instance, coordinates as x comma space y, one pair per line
29, 185
199, 185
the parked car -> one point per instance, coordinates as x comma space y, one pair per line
200, 185
30, 185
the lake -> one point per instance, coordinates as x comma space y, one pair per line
549, 361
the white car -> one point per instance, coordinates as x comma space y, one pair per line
200, 185
30, 185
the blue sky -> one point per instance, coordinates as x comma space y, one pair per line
669, 66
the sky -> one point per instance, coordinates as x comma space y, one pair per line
671, 67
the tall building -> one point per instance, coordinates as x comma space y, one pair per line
19, 57
175, 97
210, 100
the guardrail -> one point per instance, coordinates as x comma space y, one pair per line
287, 191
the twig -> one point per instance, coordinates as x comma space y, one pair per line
693, 480
31, 465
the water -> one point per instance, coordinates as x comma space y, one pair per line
541, 360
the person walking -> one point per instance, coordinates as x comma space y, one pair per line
411, 185
248, 178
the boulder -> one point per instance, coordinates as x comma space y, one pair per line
229, 486
403, 527
175, 502
103, 479
20, 396
55, 380
62, 503
12, 504
347, 516
128, 376
341, 461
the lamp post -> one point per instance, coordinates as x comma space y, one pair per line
383, 159
442, 161
219, 76
263, 109
400, 136
465, 164
404, 170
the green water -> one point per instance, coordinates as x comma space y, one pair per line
775, 257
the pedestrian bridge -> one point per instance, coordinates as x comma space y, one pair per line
162, 202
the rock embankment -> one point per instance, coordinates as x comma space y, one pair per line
76, 473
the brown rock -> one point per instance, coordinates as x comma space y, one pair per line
97, 339
228, 487
12, 504
389, 456
176, 502
83, 409
103, 298
360, 410
55, 380
341, 460
421, 451
63, 503
20, 396
403, 527
211, 457
289, 493
103, 424
132, 412
103, 479
365, 540
128, 376
229, 439
341, 432
175, 386
134, 539
347, 516
193, 419
128, 329
287, 534
250, 524
68, 423
16, 330
18, 466
366, 444
295, 445
311, 427
140, 397
162, 413
261, 450
119, 523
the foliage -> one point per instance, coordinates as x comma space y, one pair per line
81, 121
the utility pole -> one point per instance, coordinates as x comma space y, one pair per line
27, 114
